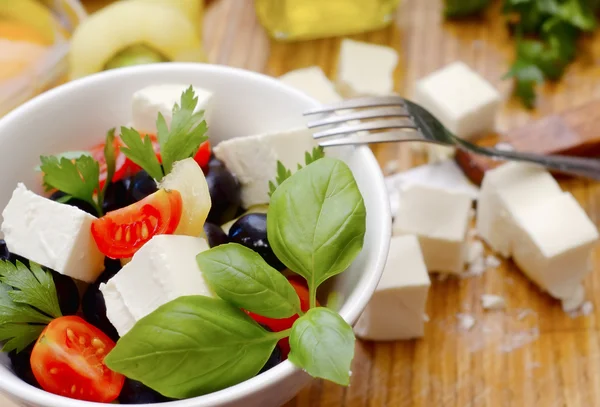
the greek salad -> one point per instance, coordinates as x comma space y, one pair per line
156, 268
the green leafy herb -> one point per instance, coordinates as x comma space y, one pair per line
316, 221
188, 131
322, 343
79, 178
283, 173
464, 8
193, 346
28, 301
71, 155
241, 277
181, 141
141, 151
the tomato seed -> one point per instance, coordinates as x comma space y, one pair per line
145, 231
53, 370
82, 340
73, 389
99, 351
70, 335
128, 235
97, 343
119, 233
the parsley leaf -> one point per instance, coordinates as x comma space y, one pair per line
78, 178
141, 152
187, 132
283, 173
28, 301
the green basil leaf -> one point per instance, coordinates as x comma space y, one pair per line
322, 343
241, 277
192, 346
316, 220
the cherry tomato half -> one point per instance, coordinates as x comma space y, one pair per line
119, 234
277, 325
68, 360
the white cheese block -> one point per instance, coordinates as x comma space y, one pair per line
162, 270
146, 103
365, 69
440, 219
397, 309
52, 234
446, 175
253, 159
552, 244
461, 99
504, 190
313, 82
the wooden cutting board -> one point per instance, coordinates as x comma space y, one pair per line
573, 132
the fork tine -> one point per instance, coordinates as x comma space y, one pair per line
359, 115
367, 126
358, 103
374, 138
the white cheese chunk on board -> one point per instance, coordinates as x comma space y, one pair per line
162, 270
523, 214
365, 69
397, 309
553, 242
313, 82
460, 98
148, 102
445, 175
253, 159
504, 190
55, 235
440, 219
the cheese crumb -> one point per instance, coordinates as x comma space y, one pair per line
475, 252
575, 301
492, 261
466, 322
391, 166
492, 302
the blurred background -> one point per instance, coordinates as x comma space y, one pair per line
542, 56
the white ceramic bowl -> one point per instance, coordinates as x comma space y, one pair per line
77, 116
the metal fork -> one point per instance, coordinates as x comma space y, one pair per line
411, 122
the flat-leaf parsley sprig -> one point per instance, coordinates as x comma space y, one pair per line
196, 345
28, 302
181, 141
80, 177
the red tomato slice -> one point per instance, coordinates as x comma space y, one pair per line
68, 360
277, 325
202, 157
119, 234
123, 166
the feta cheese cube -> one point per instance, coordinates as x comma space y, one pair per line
162, 270
504, 190
397, 309
313, 82
151, 100
253, 159
461, 99
440, 219
365, 69
55, 235
552, 244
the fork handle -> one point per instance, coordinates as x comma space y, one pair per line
584, 167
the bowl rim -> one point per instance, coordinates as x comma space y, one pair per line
349, 311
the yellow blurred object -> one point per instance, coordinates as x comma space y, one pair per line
18, 31
18, 56
309, 19
162, 28
30, 13
193, 10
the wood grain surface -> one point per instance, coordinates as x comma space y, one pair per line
531, 354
